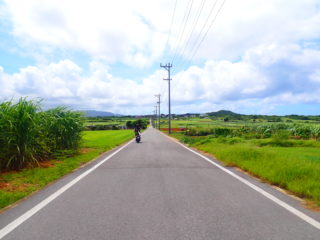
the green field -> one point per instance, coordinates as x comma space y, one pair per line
207, 122
284, 154
111, 123
106, 121
15, 185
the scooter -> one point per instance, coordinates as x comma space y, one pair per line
138, 137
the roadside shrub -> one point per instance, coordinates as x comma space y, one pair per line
281, 138
198, 131
64, 128
315, 132
102, 127
143, 123
29, 135
216, 132
188, 140
21, 139
234, 140
222, 132
303, 131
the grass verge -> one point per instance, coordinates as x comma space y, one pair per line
295, 168
15, 185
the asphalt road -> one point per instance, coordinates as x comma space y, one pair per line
157, 189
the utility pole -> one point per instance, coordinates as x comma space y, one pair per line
168, 68
158, 96
155, 113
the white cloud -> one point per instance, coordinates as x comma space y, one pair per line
260, 81
135, 32
259, 54
117, 31
65, 83
266, 76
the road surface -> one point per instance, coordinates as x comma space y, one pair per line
156, 189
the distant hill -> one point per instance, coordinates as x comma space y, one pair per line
94, 113
223, 113
270, 118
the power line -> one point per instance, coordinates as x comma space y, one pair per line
211, 24
184, 22
195, 22
204, 36
172, 19
167, 43
203, 28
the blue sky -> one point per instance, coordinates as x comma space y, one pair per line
259, 57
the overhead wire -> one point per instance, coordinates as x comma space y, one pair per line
179, 30
184, 23
162, 92
195, 23
199, 39
167, 44
203, 37
211, 24
171, 24
202, 28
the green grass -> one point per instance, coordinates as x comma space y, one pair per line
16, 185
202, 122
88, 123
295, 168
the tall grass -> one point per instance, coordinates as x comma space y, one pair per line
263, 130
20, 133
29, 135
64, 128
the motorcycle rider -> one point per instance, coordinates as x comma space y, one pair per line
137, 130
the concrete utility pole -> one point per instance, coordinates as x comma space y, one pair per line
158, 96
155, 113
168, 68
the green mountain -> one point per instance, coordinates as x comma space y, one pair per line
224, 113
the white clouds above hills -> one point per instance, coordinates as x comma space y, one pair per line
262, 79
258, 55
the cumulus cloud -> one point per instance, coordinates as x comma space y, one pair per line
259, 54
135, 32
245, 24
66, 83
266, 76
117, 31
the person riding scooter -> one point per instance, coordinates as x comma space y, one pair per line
137, 130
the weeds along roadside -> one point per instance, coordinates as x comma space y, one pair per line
29, 135
280, 159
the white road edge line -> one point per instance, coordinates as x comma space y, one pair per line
281, 203
15, 223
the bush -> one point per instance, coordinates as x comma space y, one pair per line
303, 131
280, 138
102, 127
21, 136
28, 135
315, 132
143, 123
222, 132
64, 128
198, 131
